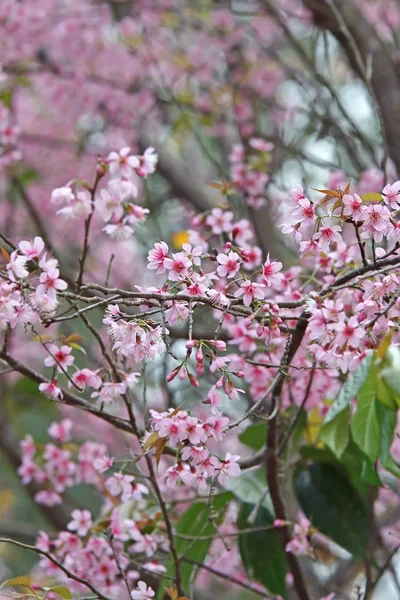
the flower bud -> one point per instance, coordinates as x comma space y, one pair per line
199, 355
199, 368
172, 374
182, 374
193, 380
220, 345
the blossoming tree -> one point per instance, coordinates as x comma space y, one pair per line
199, 297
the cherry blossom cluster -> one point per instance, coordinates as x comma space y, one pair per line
189, 436
115, 202
248, 170
29, 284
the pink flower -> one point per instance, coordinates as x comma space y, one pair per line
122, 163
59, 356
16, 266
218, 298
51, 389
328, 235
50, 282
103, 463
32, 249
250, 290
147, 163
81, 522
178, 266
353, 206
120, 485
304, 211
292, 231
173, 429
61, 431
109, 201
157, 256
86, 377
297, 193
213, 399
110, 392
270, 272
391, 194
219, 221
229, 264
43, 541
228, 468
349, 331
48, 498
376, 222
218, 363
142, 592
63, 195
218, 425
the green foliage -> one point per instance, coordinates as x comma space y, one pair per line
333, 505
254, 436
262, 552
200, 520
251, 487
364, 426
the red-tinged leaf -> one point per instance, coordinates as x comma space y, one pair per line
5, 254
74, 337
331, 193
347, 189
160, 447
151, 440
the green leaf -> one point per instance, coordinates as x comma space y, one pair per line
251, 487
369, 475
385, 394
390, 372
21, 580
365, 428
62, 591
262, 553
371, 197
350, 388
254, 436
333, 505
195, 522
336, 434
388, 422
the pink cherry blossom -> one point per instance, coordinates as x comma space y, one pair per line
81, 522
353, 206
229, 264
270, 272
220, 221
250, 291
51, 390
60, 357
156, 257
142, 592
61, 431
32, 249
391, 195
